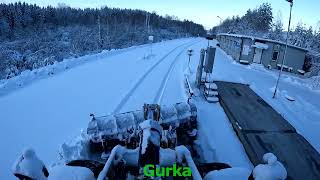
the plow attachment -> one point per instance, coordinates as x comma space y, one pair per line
178, 122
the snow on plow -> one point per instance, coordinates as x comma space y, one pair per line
123, 128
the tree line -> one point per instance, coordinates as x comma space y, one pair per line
32, 36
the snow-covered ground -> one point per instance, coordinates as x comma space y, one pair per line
43, 111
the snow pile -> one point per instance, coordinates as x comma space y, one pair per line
28, 164
273, 169
75, 149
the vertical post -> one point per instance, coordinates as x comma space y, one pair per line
285, 52
150, 38
200, 68
189, 54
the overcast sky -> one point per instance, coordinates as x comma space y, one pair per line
204, 12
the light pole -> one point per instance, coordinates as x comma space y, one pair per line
285, 52
220, 21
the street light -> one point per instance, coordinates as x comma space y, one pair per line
285, 52
220, 21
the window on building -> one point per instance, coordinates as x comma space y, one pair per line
275, 55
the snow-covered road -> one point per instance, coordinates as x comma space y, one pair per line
53, 110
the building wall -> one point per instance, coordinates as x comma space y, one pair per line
266, 58
248, 56
295, 57
235, 47
231, 45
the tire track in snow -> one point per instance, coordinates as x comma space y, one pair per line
141, 79
159, 96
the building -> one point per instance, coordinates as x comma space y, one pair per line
270, 53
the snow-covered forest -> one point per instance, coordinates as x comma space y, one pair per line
33, 36
261, 22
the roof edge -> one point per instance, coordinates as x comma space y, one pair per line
262, 39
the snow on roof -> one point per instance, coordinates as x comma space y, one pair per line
260, 45
237, 35
261, 39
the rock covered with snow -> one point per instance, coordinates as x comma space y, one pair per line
28, 164
273, 169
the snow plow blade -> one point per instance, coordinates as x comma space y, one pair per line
105, 132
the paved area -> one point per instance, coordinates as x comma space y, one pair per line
261, 129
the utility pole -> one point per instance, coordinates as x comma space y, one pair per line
285, 52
